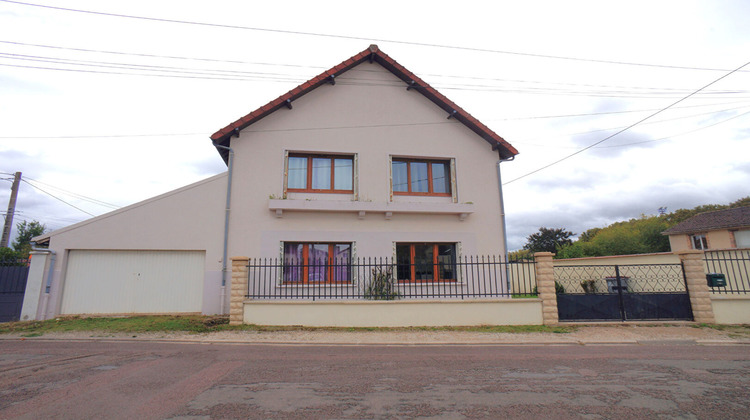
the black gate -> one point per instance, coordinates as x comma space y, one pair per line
13, 274
622, 293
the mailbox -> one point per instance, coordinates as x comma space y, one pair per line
716, 280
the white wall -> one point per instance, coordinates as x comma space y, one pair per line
189, 219
374, 122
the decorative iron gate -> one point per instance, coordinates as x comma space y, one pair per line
13, 274
622, 293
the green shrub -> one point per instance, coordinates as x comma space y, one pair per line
381, 285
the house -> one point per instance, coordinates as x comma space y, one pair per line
721, 229
365, 160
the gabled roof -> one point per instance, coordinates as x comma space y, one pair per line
371, 54
714, 220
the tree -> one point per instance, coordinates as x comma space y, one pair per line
24, 233
8, 255
548, 239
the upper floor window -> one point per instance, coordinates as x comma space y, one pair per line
699, 241
421, 177
320, 173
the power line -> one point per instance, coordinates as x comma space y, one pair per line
523, 141
628, 127
393, 41
76, 195
173, 57
88, 136
585, 85
104, 136
204, 76
678, 135
58, 198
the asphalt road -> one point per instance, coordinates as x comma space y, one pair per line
130, 380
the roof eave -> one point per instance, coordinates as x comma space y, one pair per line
372, 54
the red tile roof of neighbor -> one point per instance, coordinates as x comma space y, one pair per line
714, 220
372, 54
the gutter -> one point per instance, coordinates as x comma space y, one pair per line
226, 226
48, 283
502, 219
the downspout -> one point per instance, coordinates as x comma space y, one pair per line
226, 226
50, 273
502, 220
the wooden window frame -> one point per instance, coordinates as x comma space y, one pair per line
435, 263
702, 237
430, 180
309, 188
330, 266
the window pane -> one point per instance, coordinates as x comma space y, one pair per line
321, 174
318, 262
297, 176
742, 238
399, 173
423, 261
342, 254
293, 261
419, 181
441, 180
403, 262
342, 174
446, 262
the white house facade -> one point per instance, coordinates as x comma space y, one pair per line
363, 161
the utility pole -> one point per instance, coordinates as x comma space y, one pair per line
11, 210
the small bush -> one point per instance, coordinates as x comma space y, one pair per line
381, 285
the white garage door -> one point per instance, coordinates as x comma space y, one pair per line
122, 282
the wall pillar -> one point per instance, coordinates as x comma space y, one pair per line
34, 296
238, 290
695, 276
545, 283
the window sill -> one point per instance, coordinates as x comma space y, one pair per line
361, 208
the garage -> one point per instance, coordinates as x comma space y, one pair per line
126, 282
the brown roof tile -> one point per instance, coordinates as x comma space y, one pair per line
713, 220
504, 148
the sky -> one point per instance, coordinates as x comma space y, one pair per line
104, 104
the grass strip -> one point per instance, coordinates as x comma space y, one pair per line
205, 324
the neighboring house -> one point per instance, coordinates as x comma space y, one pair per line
364, 160
721, 229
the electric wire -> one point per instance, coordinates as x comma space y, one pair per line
58, 198
76, 195
358, 38
585, 85
628, 127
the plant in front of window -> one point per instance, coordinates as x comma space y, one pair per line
589, 286
382, 285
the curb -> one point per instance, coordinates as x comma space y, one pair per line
645, 342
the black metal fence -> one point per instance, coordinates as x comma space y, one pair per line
603, 279
622, 292
13, 274
735, 265
389, 279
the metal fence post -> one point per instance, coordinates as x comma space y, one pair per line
545, 281
695, 276
238, 290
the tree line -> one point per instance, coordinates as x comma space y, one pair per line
641, 235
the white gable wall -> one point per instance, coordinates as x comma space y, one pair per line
368, 112
187, 219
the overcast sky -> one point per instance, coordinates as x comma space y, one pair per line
101, 111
